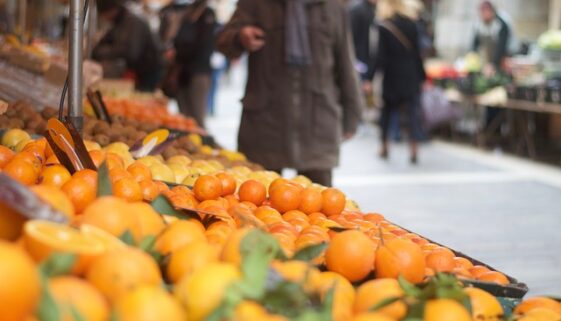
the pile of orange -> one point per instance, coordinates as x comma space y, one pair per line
203, 260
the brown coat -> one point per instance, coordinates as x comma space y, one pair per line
296, 117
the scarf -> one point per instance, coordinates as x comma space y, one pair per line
298, 51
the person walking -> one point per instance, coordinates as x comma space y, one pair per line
302, 96
365, 39
188, 29
130, 40
399, 59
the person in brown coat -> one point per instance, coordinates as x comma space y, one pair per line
302, 95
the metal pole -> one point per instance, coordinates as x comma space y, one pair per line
22, 23
92, 28
75, 52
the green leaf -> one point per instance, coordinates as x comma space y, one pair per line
163, 205
309, 253
47, 310
416, 311
114, 316
76, 315
147, 243
409, 288
327, 311
257, 249
286, 298
338, 229
127, 238
384, 303
57, 264
104, 187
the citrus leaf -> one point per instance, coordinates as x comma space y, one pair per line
47, 310
383, 303
338, 229
114, 316
327, 311
127, 238
409, 288
103, 181
416, 311
257, 249
163, 205
147, 243
76, 315
309, 253
57, 264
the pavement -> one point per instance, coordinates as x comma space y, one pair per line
499, 209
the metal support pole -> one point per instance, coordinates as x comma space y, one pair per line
22, 21
75, 53
92, 28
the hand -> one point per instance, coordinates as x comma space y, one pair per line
489, 70
348, 135
367, 87
252, 38
169, 55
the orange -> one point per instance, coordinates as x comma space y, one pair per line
312, 200
285, 197
374, 292
148, 303
30, 157
440, 261
44, 238
70, 291
56, 198
296, 214
127, 189
400, 257
20, 290
495, 277
207, 187
114, 161
374, 217
116, 272
149, 190
109, 241
343, 295
445, 310
540, 314
98, 156
371, 316
11, 223
231, 251
112, 215
249, 310
52, 160
351, 254
81, 193
202, 291
537, 302
228, 183
477, 270
276, 183
333, 201
22, 171
179, 234
87, 175
55, 175
189, 258
252, 191
484, 306
150, 222
139, 171
463, 262
116, 174
6, 155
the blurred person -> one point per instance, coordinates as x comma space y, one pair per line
302, 95
491, 41
399, 59
365, 39
188, 29
492, 37
129, 39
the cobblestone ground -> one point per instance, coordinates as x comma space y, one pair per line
501, 210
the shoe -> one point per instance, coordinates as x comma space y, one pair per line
384, 154
414, 159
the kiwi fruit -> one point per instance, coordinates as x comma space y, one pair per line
102, 139
16, 123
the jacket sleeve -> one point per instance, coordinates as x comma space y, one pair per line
228, 40
347, 78
502, 45
202, 44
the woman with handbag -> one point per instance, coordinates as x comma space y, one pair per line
399, 59
188, 29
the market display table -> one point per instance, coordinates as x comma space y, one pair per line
518, 115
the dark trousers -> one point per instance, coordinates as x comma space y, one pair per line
319, 176
193, 98
390, 118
